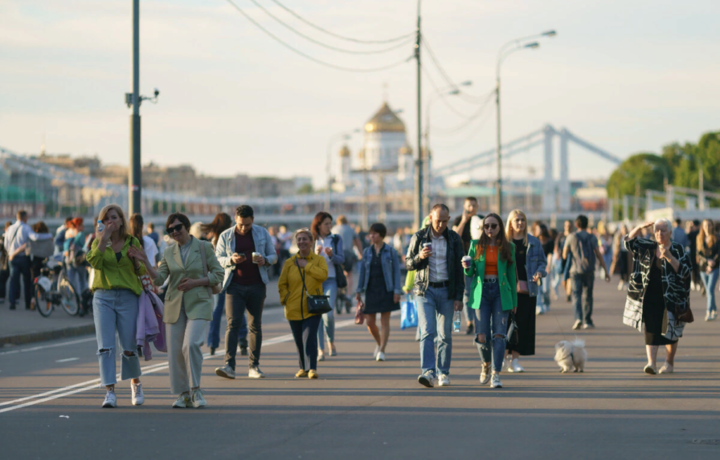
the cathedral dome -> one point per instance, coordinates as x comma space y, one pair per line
385, 120
344, 152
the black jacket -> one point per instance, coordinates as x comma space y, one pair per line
455, 254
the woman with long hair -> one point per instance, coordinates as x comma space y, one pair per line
220, 223
540, 231
136, 229
708, 260
330, 247
492, 295
116, 290
531, 264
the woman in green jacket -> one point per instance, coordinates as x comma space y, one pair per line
493, 294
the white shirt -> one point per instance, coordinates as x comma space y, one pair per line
327, 243
438, 259
151, 250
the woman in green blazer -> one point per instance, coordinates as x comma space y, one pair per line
493, 293
188, 306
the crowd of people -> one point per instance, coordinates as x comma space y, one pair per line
502, 274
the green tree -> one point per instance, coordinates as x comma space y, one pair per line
305, 189
646, 170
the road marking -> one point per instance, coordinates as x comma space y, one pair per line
94, 384
43, 347
66, 360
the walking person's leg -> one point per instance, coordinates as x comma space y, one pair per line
671, 351
177, 363
297, 333
328, 319
370, 321
482, 334
589, 282
499, 326
427, 322
15, 273
714, 276
192, 351
213, 339
310, 327
577, 288
126, 309
4, 276
469, 315
104, 318
27, 281
234, 311
255, 302
444, 328
384, 330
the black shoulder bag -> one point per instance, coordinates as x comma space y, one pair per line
340, 278
317, 304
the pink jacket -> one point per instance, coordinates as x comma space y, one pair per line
150, 325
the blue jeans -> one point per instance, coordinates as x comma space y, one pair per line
78, 277
467, 311
584, 282
435, 316
213, 339
328, 319
20, 266
557, 272
543, 298
490, 317
710, 280
116, 310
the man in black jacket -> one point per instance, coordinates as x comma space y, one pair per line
435, 253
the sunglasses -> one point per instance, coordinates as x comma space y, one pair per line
490, 226
177, 228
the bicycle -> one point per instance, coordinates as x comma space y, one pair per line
53, 288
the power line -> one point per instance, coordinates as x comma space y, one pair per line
466, 123
325, 45
307, 56
468, 97
389, 40
438, 90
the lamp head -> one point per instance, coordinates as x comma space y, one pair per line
466, 83
454, 92
549, 33
532, 45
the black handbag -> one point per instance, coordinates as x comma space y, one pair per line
340, 278
317, 304
513, 335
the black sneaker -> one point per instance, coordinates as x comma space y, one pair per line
470, 329
243, 351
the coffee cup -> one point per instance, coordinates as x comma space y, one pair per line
255, 255
466, 261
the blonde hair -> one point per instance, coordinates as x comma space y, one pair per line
509, 229
123, 230
301, 231
702, 236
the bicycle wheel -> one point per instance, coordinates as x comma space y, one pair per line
43, 305
70, 300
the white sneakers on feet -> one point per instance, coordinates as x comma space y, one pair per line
198, 399
713, 315
380, 356
427, 379
666, 369
321, 355
515, 366
650, 369
182, 402
377, 350
138, 397
444, 380
495, 383
255, 373
110, 399
484, 375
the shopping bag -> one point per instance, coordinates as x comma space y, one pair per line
408, 314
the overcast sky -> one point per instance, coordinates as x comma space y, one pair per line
627, 76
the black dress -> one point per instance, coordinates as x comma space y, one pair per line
654, 309
377, 297
525, 316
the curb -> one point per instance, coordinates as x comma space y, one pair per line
74, 331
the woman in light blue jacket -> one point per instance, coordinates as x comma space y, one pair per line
380, 281
531, 265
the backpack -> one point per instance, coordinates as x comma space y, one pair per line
583, 254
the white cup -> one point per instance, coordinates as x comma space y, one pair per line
254, 256
466, 261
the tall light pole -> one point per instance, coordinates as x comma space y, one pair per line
419, 209
507, 49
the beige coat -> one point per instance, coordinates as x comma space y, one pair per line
197, 301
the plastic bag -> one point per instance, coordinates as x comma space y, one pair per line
408, 314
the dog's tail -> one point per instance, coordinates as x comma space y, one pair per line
578, 343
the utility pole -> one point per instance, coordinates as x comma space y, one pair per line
498, 185
419, 209
135, 171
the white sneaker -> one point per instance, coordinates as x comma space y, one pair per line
255, 373
321, 355
650, 369
484, 375
110, 400
495, 383
138, 397
377, 350
444, 380
713, 315
538, 311
666, 369
380, 356
182, 402
515, 366
427, 379
707, 316
621, 285
198, 399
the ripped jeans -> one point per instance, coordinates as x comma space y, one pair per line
490, 316
116, 310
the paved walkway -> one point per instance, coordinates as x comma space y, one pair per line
362, 409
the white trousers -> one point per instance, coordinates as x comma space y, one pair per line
185, 338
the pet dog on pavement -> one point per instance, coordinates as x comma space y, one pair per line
571, 355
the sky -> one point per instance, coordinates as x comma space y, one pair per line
627, 76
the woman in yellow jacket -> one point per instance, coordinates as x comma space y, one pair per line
304, 325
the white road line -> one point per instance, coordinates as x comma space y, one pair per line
94, 384
66, 360
43, 347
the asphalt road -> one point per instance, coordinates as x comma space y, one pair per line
50, 401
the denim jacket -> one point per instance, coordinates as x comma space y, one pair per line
535, 261
391, 269
263, 245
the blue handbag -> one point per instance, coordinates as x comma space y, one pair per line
408, 314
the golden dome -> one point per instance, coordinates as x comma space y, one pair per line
344, 152
385, 120
361, 154
406, 150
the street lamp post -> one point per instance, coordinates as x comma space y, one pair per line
507, 49
419, 212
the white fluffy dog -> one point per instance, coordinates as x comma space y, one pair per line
571, 355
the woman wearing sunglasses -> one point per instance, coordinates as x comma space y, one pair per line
491, 265
531, 264
303, 273
188, 305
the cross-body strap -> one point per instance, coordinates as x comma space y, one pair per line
205, 266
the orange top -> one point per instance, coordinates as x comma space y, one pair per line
491, 258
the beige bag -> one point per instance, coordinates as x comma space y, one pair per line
215, 288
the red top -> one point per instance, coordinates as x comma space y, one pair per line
491, 257
246, 272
